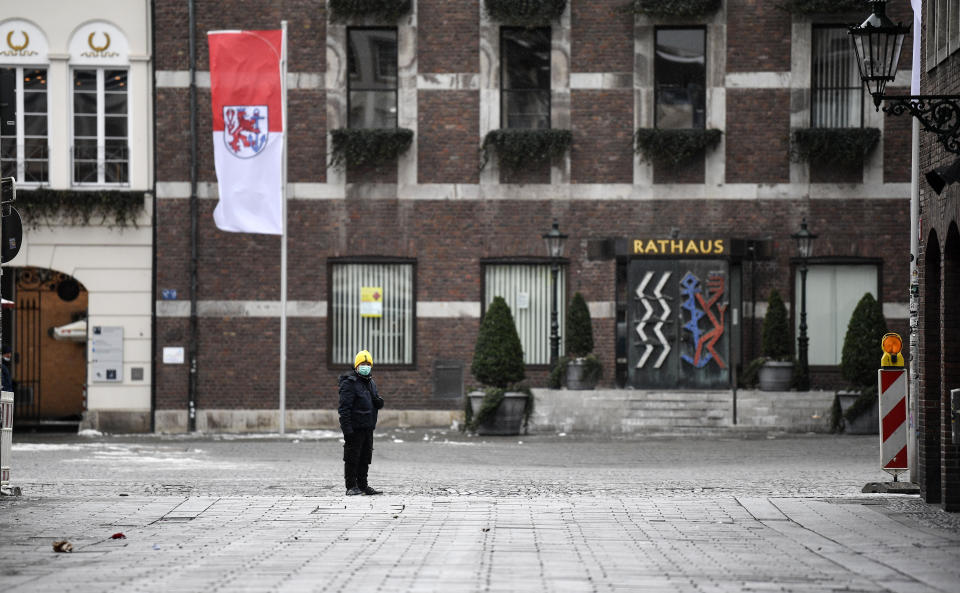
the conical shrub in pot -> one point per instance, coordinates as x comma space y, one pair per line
859, 361
776, 374
582, 369
498, 355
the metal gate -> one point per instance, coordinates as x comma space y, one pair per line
677, 324
26, 359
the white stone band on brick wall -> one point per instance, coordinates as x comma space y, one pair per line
425, 309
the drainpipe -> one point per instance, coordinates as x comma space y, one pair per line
153, 223
192, 387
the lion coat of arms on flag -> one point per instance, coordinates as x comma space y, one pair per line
246, 128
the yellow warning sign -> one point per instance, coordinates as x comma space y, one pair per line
371, 301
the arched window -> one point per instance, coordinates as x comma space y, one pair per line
24, 150
99, 65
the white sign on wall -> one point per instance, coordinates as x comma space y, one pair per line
173, 355
106, 354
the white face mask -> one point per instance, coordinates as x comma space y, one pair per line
363, 369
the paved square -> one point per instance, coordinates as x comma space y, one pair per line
729, 512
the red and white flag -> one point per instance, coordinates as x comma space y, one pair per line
247, 92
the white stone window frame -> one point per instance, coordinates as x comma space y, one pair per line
855, 72
514, 274
21, 136
347, 336
868, 273
942, 30
101, 127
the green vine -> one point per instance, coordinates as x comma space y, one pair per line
528, 13
492, 398
673, 146
751, 373
74, 207
387, 11
836, 415
688, 8
862, 404
824, 6
517, 149
373, 147
839, 146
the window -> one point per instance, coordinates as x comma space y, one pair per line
372, 308
101, 154
942, 36
372, 78
24, 153
680, 77
836, 90
527, 289
833, 292
525, 78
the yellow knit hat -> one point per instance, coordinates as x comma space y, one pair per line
362, 356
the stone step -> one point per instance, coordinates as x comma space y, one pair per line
672, 405
673, 422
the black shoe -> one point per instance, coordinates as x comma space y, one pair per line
368, 491
354, 491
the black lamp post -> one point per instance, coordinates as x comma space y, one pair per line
804, 239
878, 42
554, 240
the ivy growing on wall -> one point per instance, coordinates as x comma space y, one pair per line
840, 146
528, 13
688, 8
52, 206
518, 148
370, 147
387, 11
673, 147
825, 6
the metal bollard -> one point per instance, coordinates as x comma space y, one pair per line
6, 439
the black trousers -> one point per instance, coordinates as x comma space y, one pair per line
357, 454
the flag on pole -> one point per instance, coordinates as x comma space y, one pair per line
247, 93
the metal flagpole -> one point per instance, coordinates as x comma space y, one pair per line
283, 236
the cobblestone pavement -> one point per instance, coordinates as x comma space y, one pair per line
723, 512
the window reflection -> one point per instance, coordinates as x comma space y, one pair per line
372, 78
525, 78
680, 74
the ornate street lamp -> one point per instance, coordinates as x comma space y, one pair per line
554, 240
804, 239
878, 42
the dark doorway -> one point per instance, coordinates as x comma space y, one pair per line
928, 422
949, 462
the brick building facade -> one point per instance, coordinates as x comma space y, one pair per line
449, 235
939, 273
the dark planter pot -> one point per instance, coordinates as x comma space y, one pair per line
866, 423
576, 376
509, 417
776, 376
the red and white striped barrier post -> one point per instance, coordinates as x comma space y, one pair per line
892, 384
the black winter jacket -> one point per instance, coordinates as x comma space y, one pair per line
359, 402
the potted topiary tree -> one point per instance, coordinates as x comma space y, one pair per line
776, 374
502, 407
858, 365
581, 367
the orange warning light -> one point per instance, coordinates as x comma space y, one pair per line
892, 344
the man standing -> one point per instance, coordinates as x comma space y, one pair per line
359, 402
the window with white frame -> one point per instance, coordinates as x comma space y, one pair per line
372, 307
527, 289
833, 292
24, 152
836, 91
101, 153
942, 34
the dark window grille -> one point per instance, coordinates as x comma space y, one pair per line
836, 91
